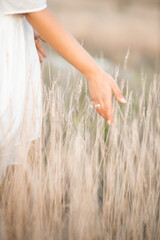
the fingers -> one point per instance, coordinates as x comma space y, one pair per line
117, 93
40, 59
37, 36
40, 48
105, 109
108, 111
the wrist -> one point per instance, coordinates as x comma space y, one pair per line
93, 74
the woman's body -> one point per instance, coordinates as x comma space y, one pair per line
101, 84
20, 82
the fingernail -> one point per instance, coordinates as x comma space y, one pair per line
109, 122
123, 100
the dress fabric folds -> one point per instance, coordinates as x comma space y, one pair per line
20, 79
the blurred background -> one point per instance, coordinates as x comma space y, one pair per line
108, 28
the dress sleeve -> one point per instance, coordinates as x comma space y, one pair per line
22, 6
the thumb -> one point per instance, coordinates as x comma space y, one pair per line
117, 93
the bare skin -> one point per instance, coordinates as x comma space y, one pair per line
101, 84
40, 49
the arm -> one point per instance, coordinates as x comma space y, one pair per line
101, 84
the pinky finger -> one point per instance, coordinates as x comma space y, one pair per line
40, 59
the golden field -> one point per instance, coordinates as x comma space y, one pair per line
84, 180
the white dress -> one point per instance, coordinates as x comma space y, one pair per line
20, 78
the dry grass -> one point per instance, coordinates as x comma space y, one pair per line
83, 180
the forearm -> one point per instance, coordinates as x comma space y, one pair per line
101, 84
62, 41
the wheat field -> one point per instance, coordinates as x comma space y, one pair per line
83, 180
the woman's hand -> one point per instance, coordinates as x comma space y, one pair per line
101, 86
39, 47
